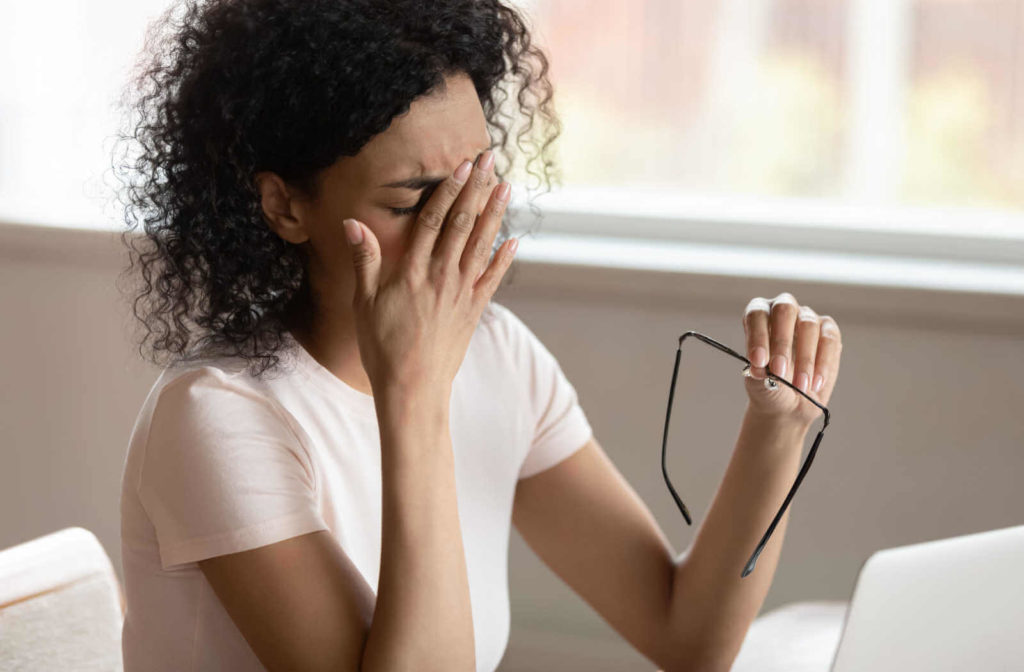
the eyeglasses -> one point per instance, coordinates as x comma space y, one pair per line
771, 380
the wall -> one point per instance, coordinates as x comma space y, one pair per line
925, 442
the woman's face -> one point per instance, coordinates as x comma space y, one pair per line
438, 132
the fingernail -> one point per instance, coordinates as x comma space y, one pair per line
819, 380
801, 381
486, 160
462, 172
513, 246
504, 191
353, 231
759, 356
779, 365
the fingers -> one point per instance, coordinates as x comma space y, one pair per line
365, 258
485, 195
806, 348
781, 324
463, 216
755, 324
491, 278
769, 329
478, 247
432, 218
801, 346
826, 366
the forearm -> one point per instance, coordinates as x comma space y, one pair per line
422, 618
712, 607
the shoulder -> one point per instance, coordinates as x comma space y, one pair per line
218, 396
213, 381
215, 423
227, 375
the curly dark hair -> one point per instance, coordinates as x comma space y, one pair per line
226, 88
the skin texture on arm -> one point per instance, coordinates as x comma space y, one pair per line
301, 603
590, 527
274, 593
582, 518
687, 612
712, 607
423, 619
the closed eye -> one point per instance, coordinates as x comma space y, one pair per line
424, 197
399, 212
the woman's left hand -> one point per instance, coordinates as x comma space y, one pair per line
798, 345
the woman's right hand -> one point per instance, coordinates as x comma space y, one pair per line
414, 329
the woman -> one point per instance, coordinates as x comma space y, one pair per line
324, 474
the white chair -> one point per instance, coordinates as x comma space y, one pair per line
61, 605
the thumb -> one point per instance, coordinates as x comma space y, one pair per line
365, 258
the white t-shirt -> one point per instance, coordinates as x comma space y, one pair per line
220, 462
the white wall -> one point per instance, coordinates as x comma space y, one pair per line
926, 440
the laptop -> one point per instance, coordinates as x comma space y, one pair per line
952, 604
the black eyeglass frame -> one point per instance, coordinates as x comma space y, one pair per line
803, 469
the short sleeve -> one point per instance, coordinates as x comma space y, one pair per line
223, 470
560, 427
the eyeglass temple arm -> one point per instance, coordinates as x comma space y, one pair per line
664, 440
668, 413
792, 491
800, 476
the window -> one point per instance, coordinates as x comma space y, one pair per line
690, 117
856, 114
62, 65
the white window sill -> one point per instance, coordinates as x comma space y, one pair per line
943, 266
700, 277
891, 287
686, 258
959, 234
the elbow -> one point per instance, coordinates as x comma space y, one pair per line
694, 657
696, 664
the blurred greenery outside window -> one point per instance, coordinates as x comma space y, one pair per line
879, 106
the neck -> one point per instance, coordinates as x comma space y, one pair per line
328, 334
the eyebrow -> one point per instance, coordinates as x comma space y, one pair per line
423, 181
416, 183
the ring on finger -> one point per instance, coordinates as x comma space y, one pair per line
769, 382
